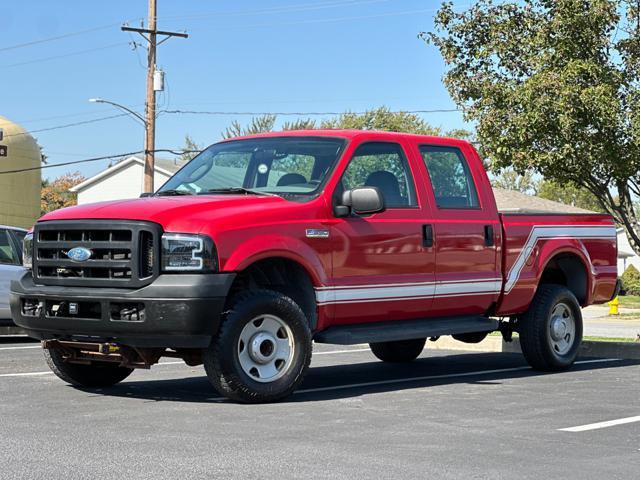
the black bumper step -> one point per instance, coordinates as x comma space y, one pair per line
404, 330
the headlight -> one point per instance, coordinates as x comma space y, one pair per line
27, 251
182, 252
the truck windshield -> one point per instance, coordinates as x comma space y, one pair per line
277, 165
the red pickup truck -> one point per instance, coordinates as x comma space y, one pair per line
262, 245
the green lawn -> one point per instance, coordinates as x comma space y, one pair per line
609, 339
629, 301
591, 339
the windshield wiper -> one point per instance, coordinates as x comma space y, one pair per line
232, 190
172, 192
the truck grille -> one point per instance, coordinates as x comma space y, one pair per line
123, 253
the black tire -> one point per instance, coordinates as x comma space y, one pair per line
402, 351
98, 374
535, 329
222, 358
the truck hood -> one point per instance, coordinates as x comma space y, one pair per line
187, 214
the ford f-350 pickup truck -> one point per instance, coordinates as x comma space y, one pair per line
262, 245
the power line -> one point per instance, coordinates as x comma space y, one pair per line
67, 125
96, 159
302, 114
58, 37
275, 10
85, 160
227, 113
56, 57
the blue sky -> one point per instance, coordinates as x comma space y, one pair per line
245, 55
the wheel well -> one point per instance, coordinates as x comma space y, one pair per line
282, 275
567, 270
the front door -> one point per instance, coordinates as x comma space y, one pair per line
467, 232
382, 269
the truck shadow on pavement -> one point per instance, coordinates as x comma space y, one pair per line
350, 380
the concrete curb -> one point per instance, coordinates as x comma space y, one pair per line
624, 350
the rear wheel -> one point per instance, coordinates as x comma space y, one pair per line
401, 351
98, 374
551, 330
262, 349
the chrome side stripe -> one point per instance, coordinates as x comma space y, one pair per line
546, 232
415, 291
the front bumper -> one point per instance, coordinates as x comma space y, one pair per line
174, 311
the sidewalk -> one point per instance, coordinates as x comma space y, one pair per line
598, 323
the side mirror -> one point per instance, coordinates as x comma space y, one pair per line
146, 194
363, 200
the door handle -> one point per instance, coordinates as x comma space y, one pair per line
488, 235
427, 235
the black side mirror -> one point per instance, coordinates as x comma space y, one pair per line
363, 200
146, 194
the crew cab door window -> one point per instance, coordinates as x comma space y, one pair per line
451, 179
382, 165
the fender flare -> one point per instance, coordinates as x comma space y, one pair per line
276, 246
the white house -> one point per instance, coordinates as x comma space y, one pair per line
123, 180
626, 255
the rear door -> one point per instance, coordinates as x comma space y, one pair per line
10, 269
382, 269
467, 231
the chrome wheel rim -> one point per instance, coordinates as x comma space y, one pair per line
562, 329
266, 348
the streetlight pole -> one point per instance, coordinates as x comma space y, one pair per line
122, 107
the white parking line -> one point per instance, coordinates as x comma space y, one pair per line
35, 374
20, 348
435, 377
596, 426
356, 385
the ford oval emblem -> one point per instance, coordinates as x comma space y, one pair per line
79, 254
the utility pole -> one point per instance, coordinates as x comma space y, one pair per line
151, 36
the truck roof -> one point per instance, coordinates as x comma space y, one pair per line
353, 133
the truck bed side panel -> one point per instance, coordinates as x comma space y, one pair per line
531, 241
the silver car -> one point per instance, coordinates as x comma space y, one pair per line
10, 266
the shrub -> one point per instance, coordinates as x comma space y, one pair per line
631, 280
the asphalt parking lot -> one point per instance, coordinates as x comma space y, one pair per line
447, 415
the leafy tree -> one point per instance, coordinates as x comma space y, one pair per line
570, 194
382, 119
553, 86
261, 124
300, 124
509, 179
55, 194
190, 149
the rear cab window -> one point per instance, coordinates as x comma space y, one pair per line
451, 180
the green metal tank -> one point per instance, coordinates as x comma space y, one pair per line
19, 192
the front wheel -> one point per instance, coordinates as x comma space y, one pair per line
551, 330
262, 349
95, 375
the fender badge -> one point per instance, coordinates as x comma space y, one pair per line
317, 233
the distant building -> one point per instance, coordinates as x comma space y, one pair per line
123, 180
19, 192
